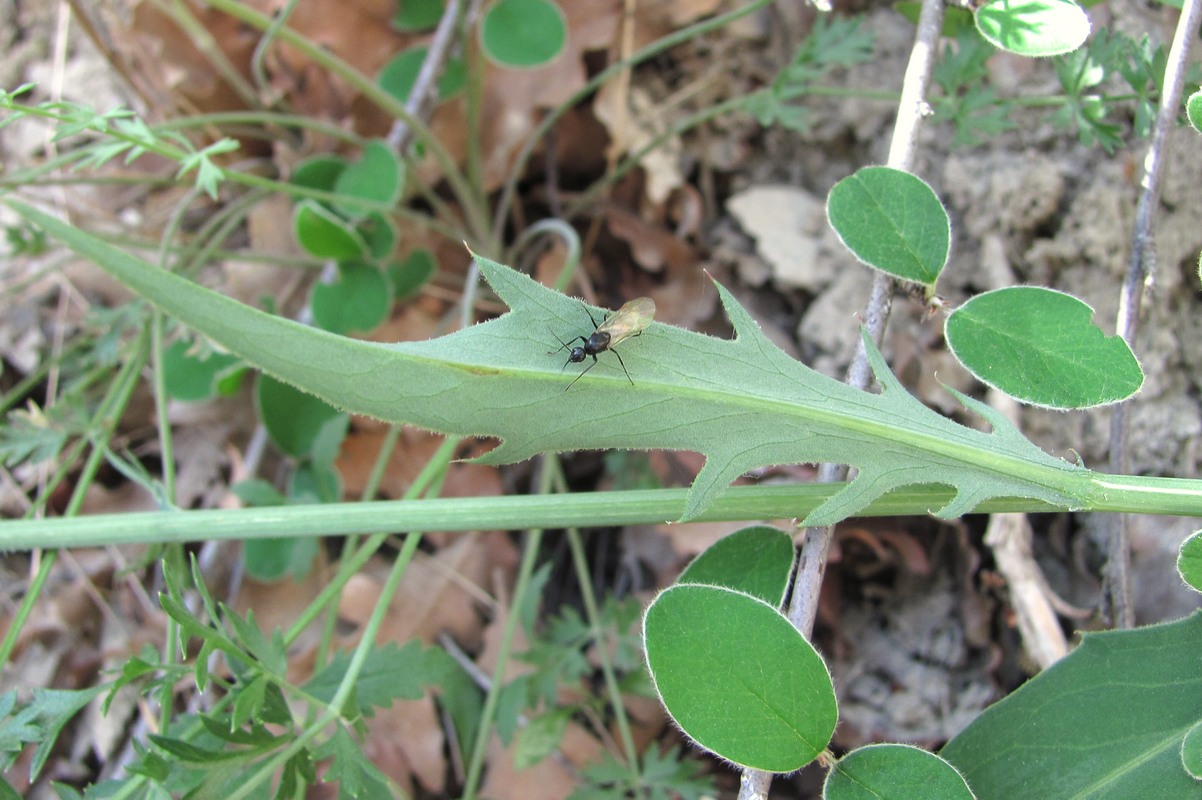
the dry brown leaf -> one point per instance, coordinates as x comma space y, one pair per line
407, 741
439, 593
653, 246
551, 778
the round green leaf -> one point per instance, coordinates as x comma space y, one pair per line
756, 560
314, 482
1189, 561
894, 772
198, 377
400, 73
1106, 721
411, 274
275, 559
292, 418
1191, 752
738, 678
379, 234
1041, 347
892, 221
1193, 110
324, 234
1034, 27
376, 176
417, 15
320, 172
357, 301
523, 33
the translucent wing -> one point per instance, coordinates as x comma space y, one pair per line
629, 320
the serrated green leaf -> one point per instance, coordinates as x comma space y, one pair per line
41, 721
270, 652
743, 403
541, 737
725, 663
248, 701
357, 777
190, 753
1041, 346
1106, 721
894, 772
388, 674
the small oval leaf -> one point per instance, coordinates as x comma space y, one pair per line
193, 377
894, 772
725, 664
1193, 110
417, 15
399, 75
523, 33
379, 233
1040, 346
755, 560
319, 172
411, 274
1189, 561
377, 176
292, 418
1191, 752
892, 221
324, 234
358, 301
1034, 28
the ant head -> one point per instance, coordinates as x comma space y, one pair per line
576, 355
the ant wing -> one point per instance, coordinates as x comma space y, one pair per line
629, 320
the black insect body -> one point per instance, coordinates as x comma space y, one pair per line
629, 320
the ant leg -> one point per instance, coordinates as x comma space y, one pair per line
581, 375
592, 319
566, 344
623, 363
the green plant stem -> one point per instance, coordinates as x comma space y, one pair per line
256, 122
593, 613
350, 566
530, 549
107, 417
24, 386
371, 630
352, 544
1171, 496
